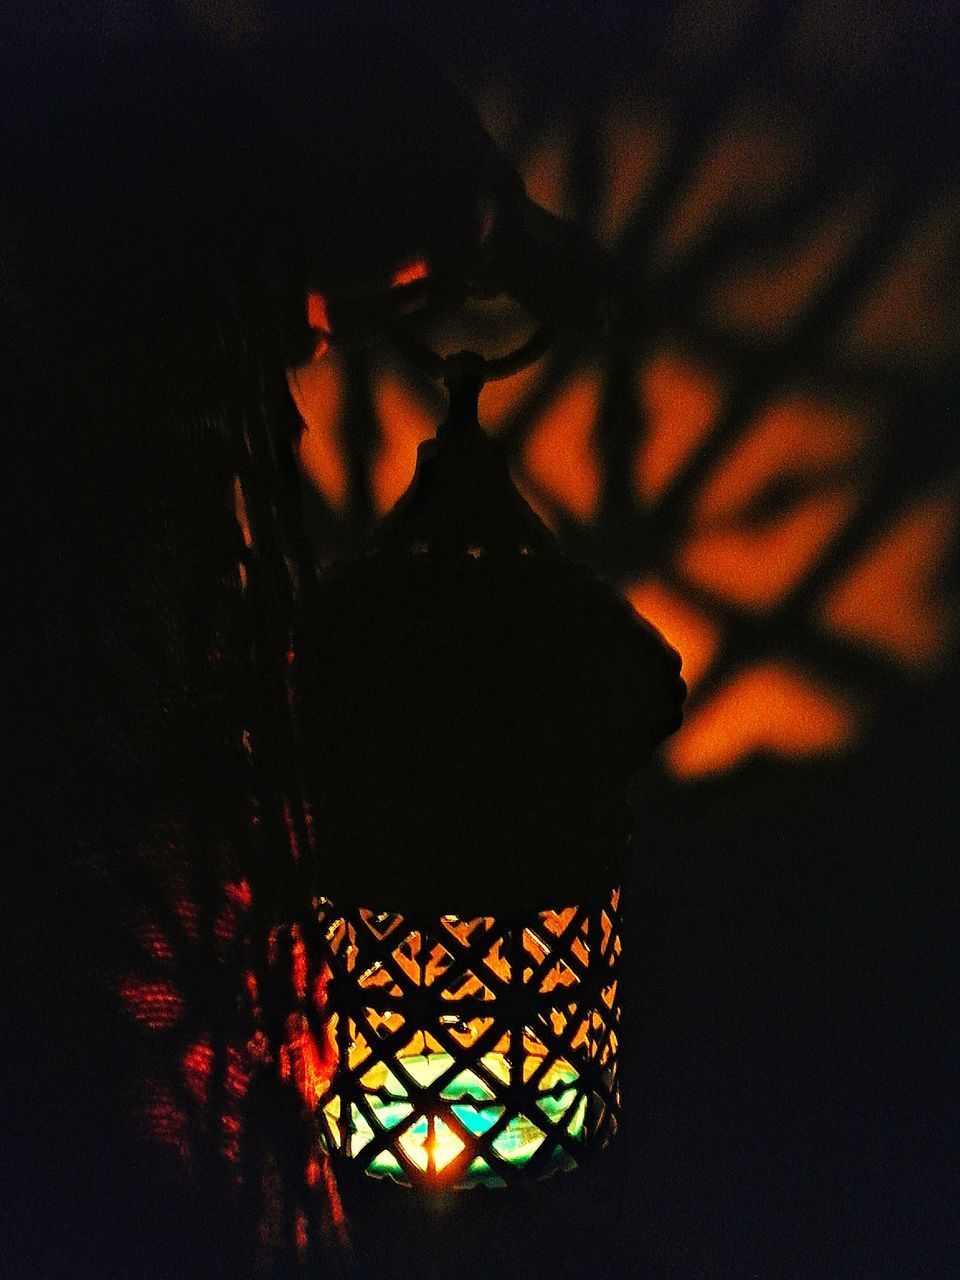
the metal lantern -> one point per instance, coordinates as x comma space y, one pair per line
479, 706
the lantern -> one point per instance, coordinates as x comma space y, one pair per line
479, 706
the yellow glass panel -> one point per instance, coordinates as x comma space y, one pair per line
361, 1132
556, 921
559, 975
380, 923
467, 986
332, 1114
558, 1021
535, 946
343, 944
438, 962
606, 925
581, 1035
335, 934
467, 1033
502, 1046
445, 1146
497, 1063
384, 1021
375, 976
380, 1079
463, 930
407, 957
559, 1072
413, 1141
497, 962
533, 1044
358, 1050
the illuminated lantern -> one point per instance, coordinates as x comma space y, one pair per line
479, 706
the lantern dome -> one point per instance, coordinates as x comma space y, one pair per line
479, 702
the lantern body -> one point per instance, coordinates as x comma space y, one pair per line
475, 1051
481, 705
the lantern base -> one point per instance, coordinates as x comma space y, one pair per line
471, 1052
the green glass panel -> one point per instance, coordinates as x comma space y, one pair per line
467, 1085
386, 1163
555, 1108
519, 1140
575, 1127
390, 1114
424, 1068
477, 1120
562, 1159
480, 1174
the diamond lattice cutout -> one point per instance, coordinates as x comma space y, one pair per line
434, 1065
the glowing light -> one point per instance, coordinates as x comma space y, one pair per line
239, 892
912, 314
436, 1089
165, 1119
154, 1004
560, 458
680, 403
888, 600
546, 175
756, 567
240, 508
186, 910
409, 273
693, 634
298, 964
771, 710
318, 316
197, 1065
405, 421
499, 400
317, 391
301, 1235
310, 1064
155, 942
633, 149
517, 1141
749, 167
236, 1077
797, 438
766, 301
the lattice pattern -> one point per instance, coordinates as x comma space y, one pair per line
472, 1051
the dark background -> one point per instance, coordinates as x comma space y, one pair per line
790, 1052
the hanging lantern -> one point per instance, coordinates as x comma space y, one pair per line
480, 705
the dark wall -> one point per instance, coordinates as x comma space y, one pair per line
791, 1047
